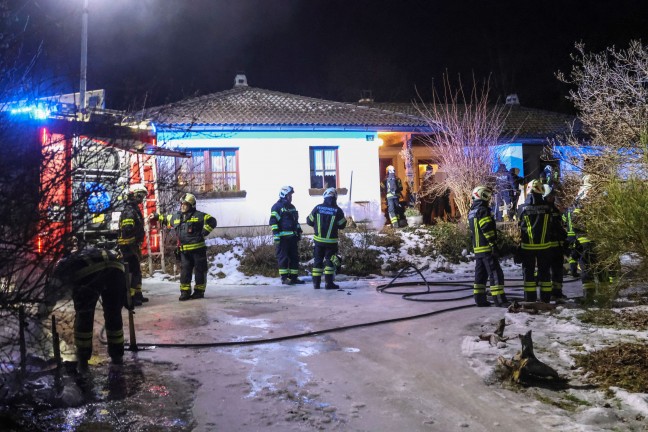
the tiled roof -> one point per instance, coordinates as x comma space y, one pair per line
253, 107
520, 121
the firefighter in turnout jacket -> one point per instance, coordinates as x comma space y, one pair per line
326, 219
484, 241
392, 187
557, 251
131, 236
90, 274
539, 229
191, 226
286, 232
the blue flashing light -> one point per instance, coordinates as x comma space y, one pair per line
38, 112
98, 197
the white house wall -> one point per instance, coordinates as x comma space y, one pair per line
268, 161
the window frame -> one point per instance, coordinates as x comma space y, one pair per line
205, 174
313, 169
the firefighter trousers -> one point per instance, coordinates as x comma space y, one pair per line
109, 285
540, 259
487, 268
135, 270
287, 251
322, 262
191, 262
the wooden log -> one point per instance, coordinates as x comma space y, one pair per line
524, 365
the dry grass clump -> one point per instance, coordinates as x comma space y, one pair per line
624, 365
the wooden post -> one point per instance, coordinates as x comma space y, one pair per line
57, 355
131, 316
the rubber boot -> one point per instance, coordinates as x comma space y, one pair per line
329, 282
197, 294
138, 299
558, 296
480, 300
286, 281
82, 366
530, 296
496, 301
545, 297
317, 281
295, 280
502, 301
185, 295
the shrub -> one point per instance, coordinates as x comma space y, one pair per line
305, 249
214, 250
447, 239
358, 257
258, 257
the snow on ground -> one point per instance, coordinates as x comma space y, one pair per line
557, 337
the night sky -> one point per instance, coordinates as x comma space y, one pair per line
149, 52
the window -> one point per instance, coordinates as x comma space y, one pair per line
214, 170
323, 167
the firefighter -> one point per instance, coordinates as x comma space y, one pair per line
326, 219
92, 273
539, 229
286, 232
503, 187
392, 187
192, 226
557, 249
516, 181
484, 241
131, 236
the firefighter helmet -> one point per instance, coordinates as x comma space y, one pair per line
330, 192
189, 199
535, 186
137, 188
285, 191
391, 169
481, 193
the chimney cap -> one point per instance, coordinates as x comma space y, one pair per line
366, 97
240, 80
512, 99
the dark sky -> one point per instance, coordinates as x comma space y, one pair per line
148, 52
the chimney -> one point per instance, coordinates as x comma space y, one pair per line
367, 97
240, 80
512, 99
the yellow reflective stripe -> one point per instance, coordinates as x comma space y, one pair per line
274, 227
275, 214
479, 249
126, 241
477, 244
528, 246
529, 230
325, 240
128, 222
192, 246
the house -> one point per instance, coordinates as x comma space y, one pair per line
247, 142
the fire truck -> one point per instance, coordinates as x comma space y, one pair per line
70, 177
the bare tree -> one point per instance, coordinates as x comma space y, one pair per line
611, 94
469, 129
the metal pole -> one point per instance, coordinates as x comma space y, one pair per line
21, 336
83, 84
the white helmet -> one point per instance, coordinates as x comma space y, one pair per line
285, 191
391, 169
137, 188
330, 192
189, 199
481, 193
535, 186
